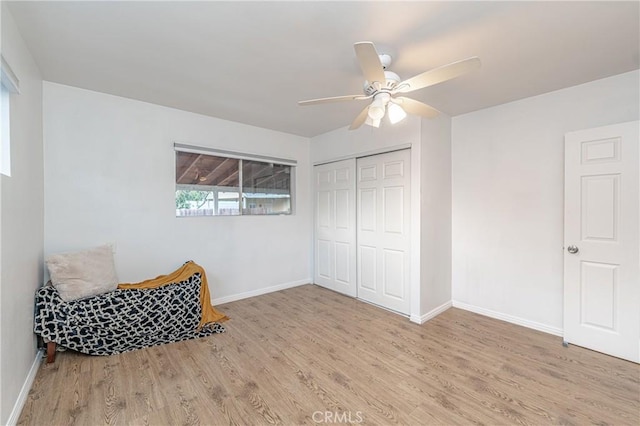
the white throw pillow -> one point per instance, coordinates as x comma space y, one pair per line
83, 273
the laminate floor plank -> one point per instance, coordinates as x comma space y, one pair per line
307, 355
282, 373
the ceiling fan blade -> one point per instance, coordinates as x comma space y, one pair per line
369, 62
438, 75
360, 119
333, 99
417, 108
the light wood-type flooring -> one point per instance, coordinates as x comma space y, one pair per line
307, 355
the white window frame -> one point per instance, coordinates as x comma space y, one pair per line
9, 84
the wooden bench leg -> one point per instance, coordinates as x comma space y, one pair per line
51, 352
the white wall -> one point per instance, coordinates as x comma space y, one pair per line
435, 242
508, 197
110, 177
21, 223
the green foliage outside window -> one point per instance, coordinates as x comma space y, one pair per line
184, 199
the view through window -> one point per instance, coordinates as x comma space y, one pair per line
8, 84
213, 185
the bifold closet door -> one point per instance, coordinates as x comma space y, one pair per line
383, 228
335, 226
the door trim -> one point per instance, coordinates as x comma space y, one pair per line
366, 154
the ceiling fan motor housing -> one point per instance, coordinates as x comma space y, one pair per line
392, 80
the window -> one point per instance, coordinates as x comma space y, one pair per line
8, 84
223, 184
5, 151
266, 188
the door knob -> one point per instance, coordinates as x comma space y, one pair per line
573, 249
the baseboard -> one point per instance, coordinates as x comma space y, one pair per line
509, 318
258, 292
24, 392
431, 314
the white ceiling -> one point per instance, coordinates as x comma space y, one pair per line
252, 61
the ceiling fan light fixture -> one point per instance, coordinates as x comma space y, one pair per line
378, 106
373, 123
396, 113
376, 112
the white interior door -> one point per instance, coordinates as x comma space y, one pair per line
335, 229
383, 222
602, 254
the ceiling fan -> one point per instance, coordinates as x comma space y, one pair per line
384, 87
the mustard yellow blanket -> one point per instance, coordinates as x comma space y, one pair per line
209, 313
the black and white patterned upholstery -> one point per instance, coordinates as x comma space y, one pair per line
122, 320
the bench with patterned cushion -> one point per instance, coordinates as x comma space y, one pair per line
122, 320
